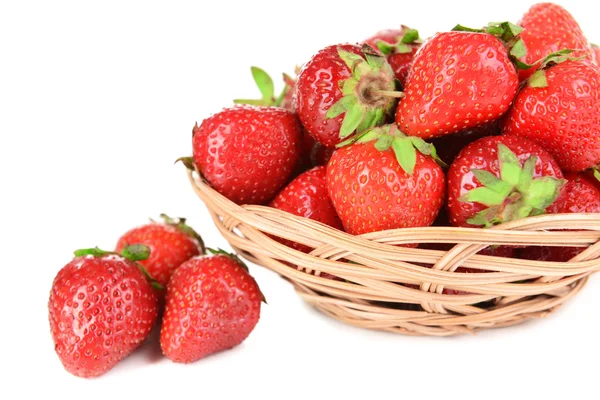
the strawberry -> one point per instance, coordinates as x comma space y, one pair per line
382, 182
171, 243
459, 80
581, 194
549, 28
267, 89
400, 47
247, 153
101, 308
212, 305
559, 108
307, 196
344, 89
501, 178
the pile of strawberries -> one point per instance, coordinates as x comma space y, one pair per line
469, 128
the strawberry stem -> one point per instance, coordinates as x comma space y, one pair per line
180, 224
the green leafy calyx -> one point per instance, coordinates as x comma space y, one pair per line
515, 194
267, 89
402, 46
369, 94
404, 147
538, 78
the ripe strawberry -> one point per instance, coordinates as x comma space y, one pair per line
559, 108
267, 89
581, 194
247, 153
549, 28
212, 304
171, 243
344, 89
101, 308
501, 178
307, 196
400, 47
385, 184
459, 80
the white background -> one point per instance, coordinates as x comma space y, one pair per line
97, 101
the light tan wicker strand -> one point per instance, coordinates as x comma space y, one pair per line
399, 289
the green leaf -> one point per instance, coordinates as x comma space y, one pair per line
349, 58
518, 49
371, 135
510, 167
495, 30
492, 182
521, 65
514, 29
384, 142
264, 83
136, 252
370, 120
538, 79
403, 48
527, 173
421, 145
95, 251
483, 195
341, 106
352, 120
405, 153
188, 162
411, 36
596, 174
462, 28
385, 47
542, 192
375, 60
487, 218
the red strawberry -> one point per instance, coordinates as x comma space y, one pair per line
101, 309
247, 153
267, 90
501, 178
459, 80
400, 47
448, 146
549, 28
385, 184
344, 89
171, 243
212, 305
581, 194
306, 196
559, 108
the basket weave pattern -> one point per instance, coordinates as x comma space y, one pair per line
373, 293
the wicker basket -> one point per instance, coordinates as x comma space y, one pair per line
371, 294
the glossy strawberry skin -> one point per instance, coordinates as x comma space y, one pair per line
549, 28
100, 310
401, 63
459, 80
307, 196
483, 154
247, 153
212, 304
564, 117
169, 248
371, 192
317, 89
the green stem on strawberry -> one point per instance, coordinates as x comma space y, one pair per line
180, 224
404, 147
538, 78
135, 252
368, 94
515, 195
411, 36
267, 89
188, 162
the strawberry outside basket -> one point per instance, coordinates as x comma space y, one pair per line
400, 289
